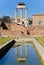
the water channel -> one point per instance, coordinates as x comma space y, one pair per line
21, 55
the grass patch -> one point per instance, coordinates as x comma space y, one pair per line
4, 40
40, 40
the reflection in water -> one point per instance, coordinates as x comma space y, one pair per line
28, 53
21, 58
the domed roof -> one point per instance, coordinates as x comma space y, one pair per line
21, 3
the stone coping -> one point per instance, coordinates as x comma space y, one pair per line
4, 49
5, 44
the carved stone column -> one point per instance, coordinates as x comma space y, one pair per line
26, 12
20, 14
16, 15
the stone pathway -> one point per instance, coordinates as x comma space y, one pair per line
39, 48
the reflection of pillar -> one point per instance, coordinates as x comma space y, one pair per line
26, 50
20, 14
21, 51
16, 51
16, 15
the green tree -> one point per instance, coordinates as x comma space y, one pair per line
6, 19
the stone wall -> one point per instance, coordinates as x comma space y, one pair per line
21, 31
36, 31
38, 20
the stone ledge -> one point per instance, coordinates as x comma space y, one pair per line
5, 49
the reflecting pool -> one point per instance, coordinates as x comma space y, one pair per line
21, 55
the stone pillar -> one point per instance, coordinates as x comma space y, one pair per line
16, 15
26, 17
20, 14
26, 12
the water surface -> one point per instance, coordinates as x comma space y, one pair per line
10, 57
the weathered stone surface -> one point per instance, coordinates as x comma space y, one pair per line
21, 31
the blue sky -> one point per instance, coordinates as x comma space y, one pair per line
34, 7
